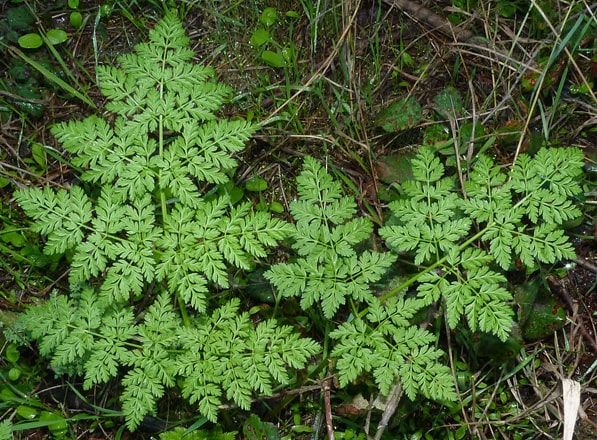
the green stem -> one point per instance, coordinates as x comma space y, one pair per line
163, 203
183, 310
438, 263
441, 261
161, 153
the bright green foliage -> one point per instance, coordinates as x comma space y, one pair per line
386, 344
256, 429
181, 434
5, 430
216, 357
466, 242
524, 217
152, 165
462, 245
150, 242
143, 235
329, 270
226, 352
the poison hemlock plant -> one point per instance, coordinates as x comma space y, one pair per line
330, 272
462, 244
467, 243
149, 244
150, 241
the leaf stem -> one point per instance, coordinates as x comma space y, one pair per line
183, 310
164, 205
441, 261
163, 201
438, 263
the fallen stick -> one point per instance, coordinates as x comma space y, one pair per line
435, 21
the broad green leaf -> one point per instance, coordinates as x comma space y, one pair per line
276, 207
13, 236
30, 41
39, 155
288, 53
57, 36
400, 115
256, 184
546, 316
406, 59
269, 16
274, 59
255, 429
76, 19
449, 103
260, 37
12, 353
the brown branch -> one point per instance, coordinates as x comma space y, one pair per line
391, 405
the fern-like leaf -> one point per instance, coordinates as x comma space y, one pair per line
519, 218
141, 392
328, 271
227, 353
146, 233
62, 216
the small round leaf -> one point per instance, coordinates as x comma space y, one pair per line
274, 59
12, 353
30, 41
39, 155
106, 10
6, 395
288, 54
76, 19
256, 184
57, 36
56, 423
26, 412
14, 237
269, 16
14, 374
276, 207
407, 60
260, 37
